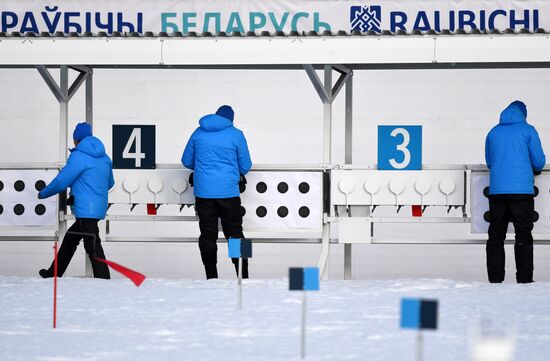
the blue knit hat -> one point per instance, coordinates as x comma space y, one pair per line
521, 105
226, 111
82, 131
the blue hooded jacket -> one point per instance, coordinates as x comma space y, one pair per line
89, 174
218, 153
513, 151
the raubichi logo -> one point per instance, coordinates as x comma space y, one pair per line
369, 17
365, 18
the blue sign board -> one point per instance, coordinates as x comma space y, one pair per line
399, 147
240, 247
419, 314
134, 147
303, 279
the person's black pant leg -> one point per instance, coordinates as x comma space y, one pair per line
67, 249
498, 225
208, 224
229, 210
232, 224
92, 245
522, 207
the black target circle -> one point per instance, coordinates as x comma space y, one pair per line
535, 216
282, 211
303, 212
19, 209
487, 216
261, 211
303, 187
536, 189
261, 187
243, 211
39, 185
1, 209
40, 209
282, 187
19, 185
486, 192
1, 185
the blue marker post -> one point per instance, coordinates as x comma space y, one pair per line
419, 314
303, 279
240, 248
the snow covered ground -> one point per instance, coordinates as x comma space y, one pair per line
198, 320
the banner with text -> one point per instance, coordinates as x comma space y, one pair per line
215, 16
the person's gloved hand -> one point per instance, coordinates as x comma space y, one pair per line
191, 181
39, 196
70, 203
536, 172
242, 183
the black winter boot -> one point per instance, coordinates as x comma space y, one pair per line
211, 270
45, 273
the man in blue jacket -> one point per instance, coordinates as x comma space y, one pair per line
89, 174
218, 154
513, 153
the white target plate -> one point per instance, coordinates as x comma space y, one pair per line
439, 187
19, 201
480, 203
275, 200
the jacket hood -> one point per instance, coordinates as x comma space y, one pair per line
91, 146
214, 123
512, 114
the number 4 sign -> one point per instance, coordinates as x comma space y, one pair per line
134, 146
399, 147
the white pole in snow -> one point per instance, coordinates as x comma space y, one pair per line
240, 285
304, 311
419, 346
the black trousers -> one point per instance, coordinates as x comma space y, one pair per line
503, 208
229, 211
82, 228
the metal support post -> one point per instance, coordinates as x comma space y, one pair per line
90, 98
349, 122
327, 159
90, 120
348, 144
63, 145
327, 117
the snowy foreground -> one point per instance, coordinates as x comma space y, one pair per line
198, 320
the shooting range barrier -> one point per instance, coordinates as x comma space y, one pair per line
282, 203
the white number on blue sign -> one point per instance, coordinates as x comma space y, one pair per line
402, 148
399, 147
137, 155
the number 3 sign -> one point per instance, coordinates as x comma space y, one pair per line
134, 146
399, 147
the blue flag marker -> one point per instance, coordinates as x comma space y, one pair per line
303, 279
311, 279
419, 314
240, 248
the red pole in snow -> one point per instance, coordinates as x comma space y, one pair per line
55, 285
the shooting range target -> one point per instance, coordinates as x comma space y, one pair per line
480, 203
281, 200
19, 203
